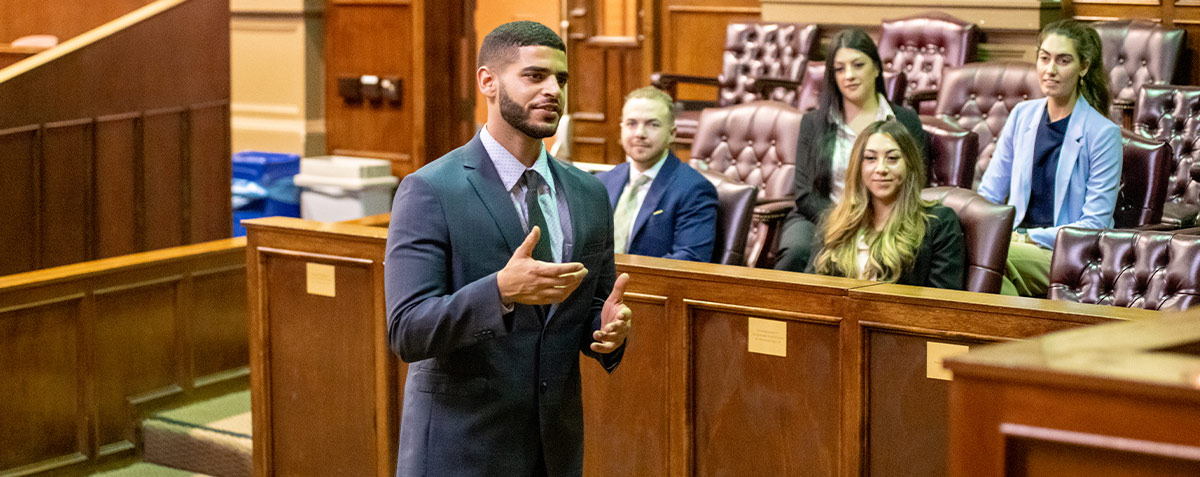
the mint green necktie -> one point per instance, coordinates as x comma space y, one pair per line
626, 212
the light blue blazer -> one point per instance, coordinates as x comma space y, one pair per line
1089, 169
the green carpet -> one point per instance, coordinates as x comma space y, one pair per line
142, 469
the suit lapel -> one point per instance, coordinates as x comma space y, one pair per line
482, 175
1070, 153
658, 188
575, 207
614, 182
1022, 169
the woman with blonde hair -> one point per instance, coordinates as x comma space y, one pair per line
882, 230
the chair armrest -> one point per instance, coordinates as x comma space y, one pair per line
763, 86
915, 99
1126, 109
1159, 226
773, 211
952, 153
669, 82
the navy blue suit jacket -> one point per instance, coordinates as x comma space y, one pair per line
488, 393
678, 219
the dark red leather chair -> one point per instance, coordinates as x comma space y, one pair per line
1137, 53
753, 143
752, 50
921, 46
1171, 114
1144, 174
806, 94
735, 212
978, 97
1155, 270
988, 231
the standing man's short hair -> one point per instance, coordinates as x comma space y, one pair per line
500, 46
655, 94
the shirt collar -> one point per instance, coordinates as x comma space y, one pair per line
508, 166
650, 173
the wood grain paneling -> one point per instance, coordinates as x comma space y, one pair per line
62, 18
299, 345
136, 350
84, 346
19, 230
111, 170
631, 408
40, 391
758, 414
118, 190
66, 193
694, 38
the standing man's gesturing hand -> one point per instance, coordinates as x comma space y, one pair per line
532, 282
615, 319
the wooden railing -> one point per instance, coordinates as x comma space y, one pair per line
84, 348
849, 391
116, 141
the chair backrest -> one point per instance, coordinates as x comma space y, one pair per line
952, 152
978, 97
735, 212
923, 44
987, 228
1172, 114
763, 50
753, 143
1138, 53
1154, 270
1144, 174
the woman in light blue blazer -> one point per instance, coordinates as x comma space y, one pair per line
1058, 160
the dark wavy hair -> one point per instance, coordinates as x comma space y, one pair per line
1094, 85
500, 46
853, 38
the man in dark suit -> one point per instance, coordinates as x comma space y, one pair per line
499, 273
661, 207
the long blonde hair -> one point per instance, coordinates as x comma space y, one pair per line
892, 250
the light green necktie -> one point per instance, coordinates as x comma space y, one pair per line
626, 212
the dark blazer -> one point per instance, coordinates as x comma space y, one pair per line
813, 158
678, 219
488, 393
941, 261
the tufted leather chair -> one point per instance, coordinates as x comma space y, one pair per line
988, 231
1172, 114
1144, 174
753, 143
752, 50
952, 152
735, 212
921, 46
1137, 53
978, 97
1155, 270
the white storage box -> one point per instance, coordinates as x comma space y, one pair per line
337, 188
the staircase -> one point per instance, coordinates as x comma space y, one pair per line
208, 438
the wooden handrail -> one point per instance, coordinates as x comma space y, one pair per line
107, 265
89, 37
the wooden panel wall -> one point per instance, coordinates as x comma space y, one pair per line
86, 345
850, 397
693, 38
120, 144
62, 18
428, 45
1183, 14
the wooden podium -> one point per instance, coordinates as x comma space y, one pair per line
1114, 399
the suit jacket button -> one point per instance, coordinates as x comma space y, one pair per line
545, 386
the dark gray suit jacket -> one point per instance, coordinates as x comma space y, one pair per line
488, 393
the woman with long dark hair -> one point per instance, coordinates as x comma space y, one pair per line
881, 229
851, 99
1058, 159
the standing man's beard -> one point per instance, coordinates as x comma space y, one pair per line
518, 118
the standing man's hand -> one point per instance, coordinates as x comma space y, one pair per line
532, 282
615, 319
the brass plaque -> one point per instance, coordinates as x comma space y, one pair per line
935, 353
767, 337
321, 279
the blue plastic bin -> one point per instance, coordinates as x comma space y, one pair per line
263, 186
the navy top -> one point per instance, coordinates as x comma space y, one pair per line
1045, 165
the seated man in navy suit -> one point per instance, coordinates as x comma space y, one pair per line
661, 207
